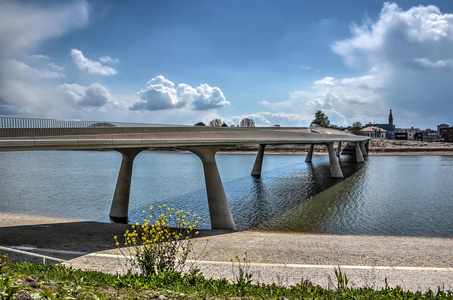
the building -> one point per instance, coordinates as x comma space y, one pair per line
374, 132
440, 126
389, 128
412, 133
429, 135
446, 134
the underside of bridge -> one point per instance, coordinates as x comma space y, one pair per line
219, 209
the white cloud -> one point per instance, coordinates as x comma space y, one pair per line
108, 59
160, 94
18, 69
96, 95
55, 67
203, 97
93, 67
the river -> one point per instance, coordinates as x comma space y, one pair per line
386, 195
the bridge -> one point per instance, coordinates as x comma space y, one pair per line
129, 139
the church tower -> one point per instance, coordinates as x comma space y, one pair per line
391, 118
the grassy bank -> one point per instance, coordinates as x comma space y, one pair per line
28, 281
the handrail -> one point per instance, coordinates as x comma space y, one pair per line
44, 257
24, 122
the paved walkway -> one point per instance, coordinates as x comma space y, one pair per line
283, 258
286, 258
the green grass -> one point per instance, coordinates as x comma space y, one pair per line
59, 282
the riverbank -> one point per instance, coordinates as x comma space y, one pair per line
377, 147
284, 258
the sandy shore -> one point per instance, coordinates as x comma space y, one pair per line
285, 258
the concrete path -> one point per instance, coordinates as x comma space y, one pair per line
288, 258
283, 258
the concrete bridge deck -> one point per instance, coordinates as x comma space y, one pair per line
202, 141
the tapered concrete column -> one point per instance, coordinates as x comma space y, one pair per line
120, 204
367, 146
335, 170
258, 162
338, 149
362, 147
219, 210
358, 153
310, 153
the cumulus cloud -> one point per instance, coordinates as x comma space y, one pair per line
94, 95
406, 61
160, 94
93, 67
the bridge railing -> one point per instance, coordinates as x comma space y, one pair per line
26, 127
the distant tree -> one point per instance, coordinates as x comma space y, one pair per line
199, 124
321, 119
216, 123
356, 127
246, 122
224, 124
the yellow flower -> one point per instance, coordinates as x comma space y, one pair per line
143, 211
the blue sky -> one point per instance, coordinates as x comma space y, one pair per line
180, 62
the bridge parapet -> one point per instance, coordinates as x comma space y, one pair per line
28, 127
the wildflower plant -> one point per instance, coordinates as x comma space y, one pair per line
3, 260
162, 243
244, 276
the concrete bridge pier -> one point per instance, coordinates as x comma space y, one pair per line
219, 210
310, 153
120, 204
338, 149
362, 147
335, 170
358, 153
258, 162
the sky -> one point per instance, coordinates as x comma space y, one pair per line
185, 61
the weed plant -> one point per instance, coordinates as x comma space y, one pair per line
161, 244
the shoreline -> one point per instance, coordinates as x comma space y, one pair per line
371, 153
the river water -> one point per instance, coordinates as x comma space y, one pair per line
386, 195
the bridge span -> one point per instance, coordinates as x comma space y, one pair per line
27, 134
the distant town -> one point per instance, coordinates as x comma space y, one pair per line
444, 132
